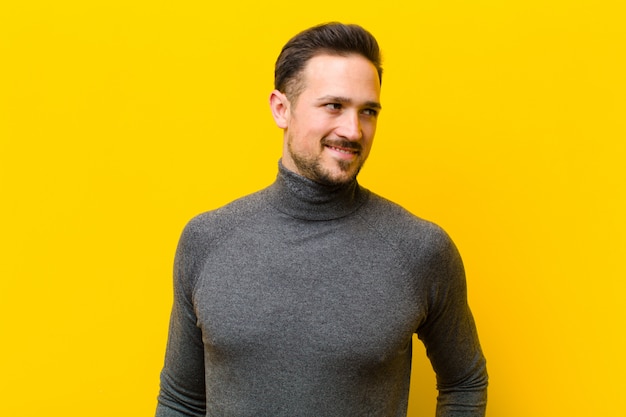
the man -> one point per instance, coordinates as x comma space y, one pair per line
302, 299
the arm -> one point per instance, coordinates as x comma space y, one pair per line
182, 378
451, 340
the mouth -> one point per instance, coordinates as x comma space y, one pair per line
345, 151
343, 148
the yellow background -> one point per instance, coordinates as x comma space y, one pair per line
504, 122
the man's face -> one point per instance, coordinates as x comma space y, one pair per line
330, 127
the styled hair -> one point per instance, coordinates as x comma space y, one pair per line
328, 38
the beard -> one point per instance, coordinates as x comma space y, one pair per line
312, 167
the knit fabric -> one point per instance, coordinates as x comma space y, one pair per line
301, 300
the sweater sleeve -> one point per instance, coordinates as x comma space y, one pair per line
182, 391
450, 337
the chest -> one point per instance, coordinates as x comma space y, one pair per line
334, 292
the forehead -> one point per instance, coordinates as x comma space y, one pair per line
350, 75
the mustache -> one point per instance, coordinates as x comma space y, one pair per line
342, 143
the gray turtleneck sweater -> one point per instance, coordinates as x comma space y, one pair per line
301, 301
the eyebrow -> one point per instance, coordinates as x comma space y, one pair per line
345, 100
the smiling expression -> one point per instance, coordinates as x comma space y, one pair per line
329, 127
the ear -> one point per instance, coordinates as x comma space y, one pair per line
280, 106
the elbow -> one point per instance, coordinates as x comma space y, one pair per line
475, 380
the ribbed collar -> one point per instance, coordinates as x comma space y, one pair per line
305, 199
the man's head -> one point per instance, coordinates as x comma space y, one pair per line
330, 39
327, 100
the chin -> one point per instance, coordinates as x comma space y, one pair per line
326, 171
338, 178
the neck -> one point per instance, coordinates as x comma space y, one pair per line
305, 199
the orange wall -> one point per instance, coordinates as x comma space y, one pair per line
504, 122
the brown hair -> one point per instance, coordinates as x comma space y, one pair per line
328, 38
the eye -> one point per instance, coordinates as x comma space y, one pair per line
333, 106
370, 112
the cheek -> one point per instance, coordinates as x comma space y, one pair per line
368, 134
304, 139
313, 131
369, 130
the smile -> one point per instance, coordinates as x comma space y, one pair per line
343, 150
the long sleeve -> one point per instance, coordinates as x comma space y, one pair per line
451, 340
182, 390
303, 301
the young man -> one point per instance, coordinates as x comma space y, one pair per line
302, 299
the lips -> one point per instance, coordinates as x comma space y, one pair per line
345, 147
342, 150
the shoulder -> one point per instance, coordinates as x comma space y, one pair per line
393, 220
419, 240
205, 231
208, 227
425, 248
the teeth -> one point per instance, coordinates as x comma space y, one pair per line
341, 150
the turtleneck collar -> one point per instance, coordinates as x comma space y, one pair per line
305, 199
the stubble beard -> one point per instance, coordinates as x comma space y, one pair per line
313, 169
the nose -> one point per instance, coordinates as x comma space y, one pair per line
350, 126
